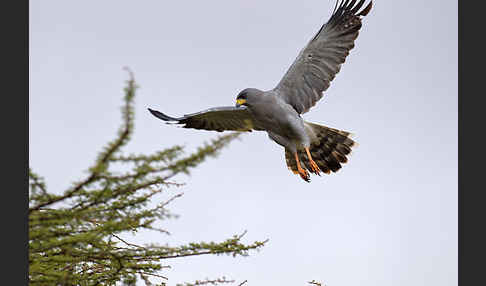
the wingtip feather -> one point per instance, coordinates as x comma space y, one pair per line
366, 10
162, 116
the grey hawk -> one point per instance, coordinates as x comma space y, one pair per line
308, 146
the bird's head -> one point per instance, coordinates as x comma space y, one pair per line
248, 96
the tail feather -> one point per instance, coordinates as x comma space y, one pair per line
329, 149
340, 157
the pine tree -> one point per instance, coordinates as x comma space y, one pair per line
75, 238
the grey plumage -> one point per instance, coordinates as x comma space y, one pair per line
319, 62
278, 111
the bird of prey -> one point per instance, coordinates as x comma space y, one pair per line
309, 147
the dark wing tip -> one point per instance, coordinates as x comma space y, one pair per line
366, 10
347, 8
162, 116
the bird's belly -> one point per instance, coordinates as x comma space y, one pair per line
286, 126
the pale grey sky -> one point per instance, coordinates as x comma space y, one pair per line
388, 217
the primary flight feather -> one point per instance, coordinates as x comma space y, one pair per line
308, 147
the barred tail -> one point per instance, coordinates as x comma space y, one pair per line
329, 148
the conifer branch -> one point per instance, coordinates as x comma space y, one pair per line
104, 157
76, 238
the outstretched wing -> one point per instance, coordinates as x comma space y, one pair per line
217, 119
319, 62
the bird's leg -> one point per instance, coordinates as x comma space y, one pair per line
303, 173
314, 168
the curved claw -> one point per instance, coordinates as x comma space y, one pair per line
304, 175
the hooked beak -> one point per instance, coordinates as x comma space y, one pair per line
240, 102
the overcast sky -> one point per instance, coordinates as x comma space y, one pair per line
388, 217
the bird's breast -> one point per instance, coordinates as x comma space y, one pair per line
278, 119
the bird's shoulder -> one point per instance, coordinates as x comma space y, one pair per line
277, 97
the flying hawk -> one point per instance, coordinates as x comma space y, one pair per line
308, 146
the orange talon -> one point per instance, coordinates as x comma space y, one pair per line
314, 168
303, 173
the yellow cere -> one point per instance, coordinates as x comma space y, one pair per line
240, 101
